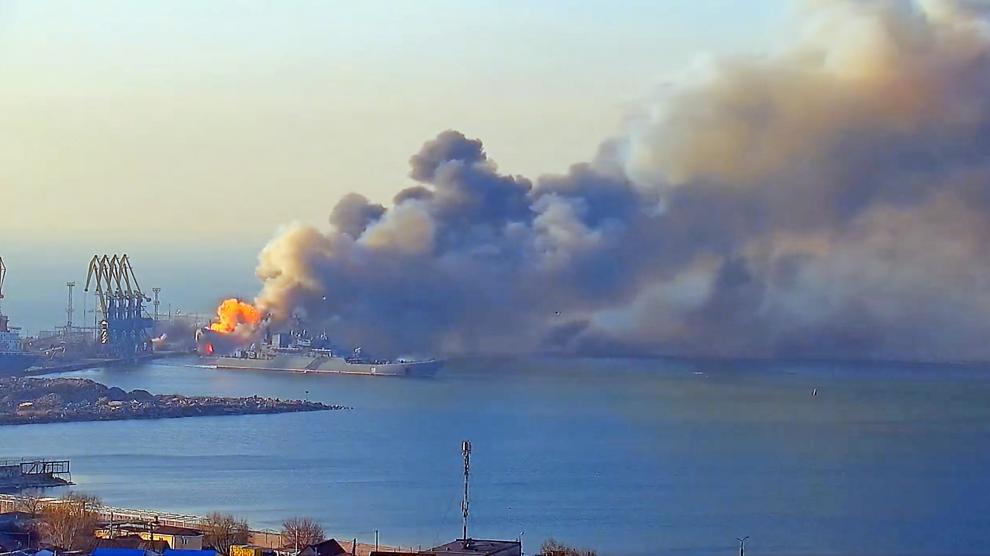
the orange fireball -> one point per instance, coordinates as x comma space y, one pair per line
234, 312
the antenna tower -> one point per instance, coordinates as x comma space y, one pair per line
466, 451
156, 291
68, 308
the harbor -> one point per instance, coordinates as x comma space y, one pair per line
93, 363
657, 444
446, 278
124, 330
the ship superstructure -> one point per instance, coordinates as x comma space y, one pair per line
13, 358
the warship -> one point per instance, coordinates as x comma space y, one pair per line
292, 352
13, 358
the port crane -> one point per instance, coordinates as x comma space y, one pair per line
123, 326
3, 319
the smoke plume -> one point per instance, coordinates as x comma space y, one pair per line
829, 201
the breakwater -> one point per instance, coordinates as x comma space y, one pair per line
56, 400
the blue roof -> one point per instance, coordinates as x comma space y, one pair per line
118, 552
170, 552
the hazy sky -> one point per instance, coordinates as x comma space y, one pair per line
180, 129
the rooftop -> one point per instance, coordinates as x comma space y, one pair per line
159, 530
475, 547
131, 542
328, 547
177, 531
118, 552
171, 552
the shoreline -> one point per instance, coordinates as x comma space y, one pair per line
267, 538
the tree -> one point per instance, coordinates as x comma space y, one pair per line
552, 547
221, 531
32, 504
300, 532
70, 522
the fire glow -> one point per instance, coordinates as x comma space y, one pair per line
233, 313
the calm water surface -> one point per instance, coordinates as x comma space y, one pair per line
629, 457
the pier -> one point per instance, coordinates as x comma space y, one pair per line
52, 367
40, 473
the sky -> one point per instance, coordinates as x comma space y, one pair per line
186, 133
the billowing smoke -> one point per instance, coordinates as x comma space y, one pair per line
828, 201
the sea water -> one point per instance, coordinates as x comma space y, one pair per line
624, 456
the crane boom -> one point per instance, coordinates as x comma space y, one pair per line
3, 274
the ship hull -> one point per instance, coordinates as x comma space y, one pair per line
15, 363
330, 365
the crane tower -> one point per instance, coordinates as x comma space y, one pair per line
123, 322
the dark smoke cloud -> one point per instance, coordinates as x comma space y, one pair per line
831, 201
354, 213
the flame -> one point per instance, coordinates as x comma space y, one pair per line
233, 313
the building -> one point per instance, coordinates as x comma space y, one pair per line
477, 547
132, 542
469, 547
17, 531
177, 538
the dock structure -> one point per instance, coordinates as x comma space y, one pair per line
37, 473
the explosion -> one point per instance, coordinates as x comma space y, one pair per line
233, 313
236, 325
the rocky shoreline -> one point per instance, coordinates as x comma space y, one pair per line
63, 400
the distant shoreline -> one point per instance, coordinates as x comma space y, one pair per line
7, 421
